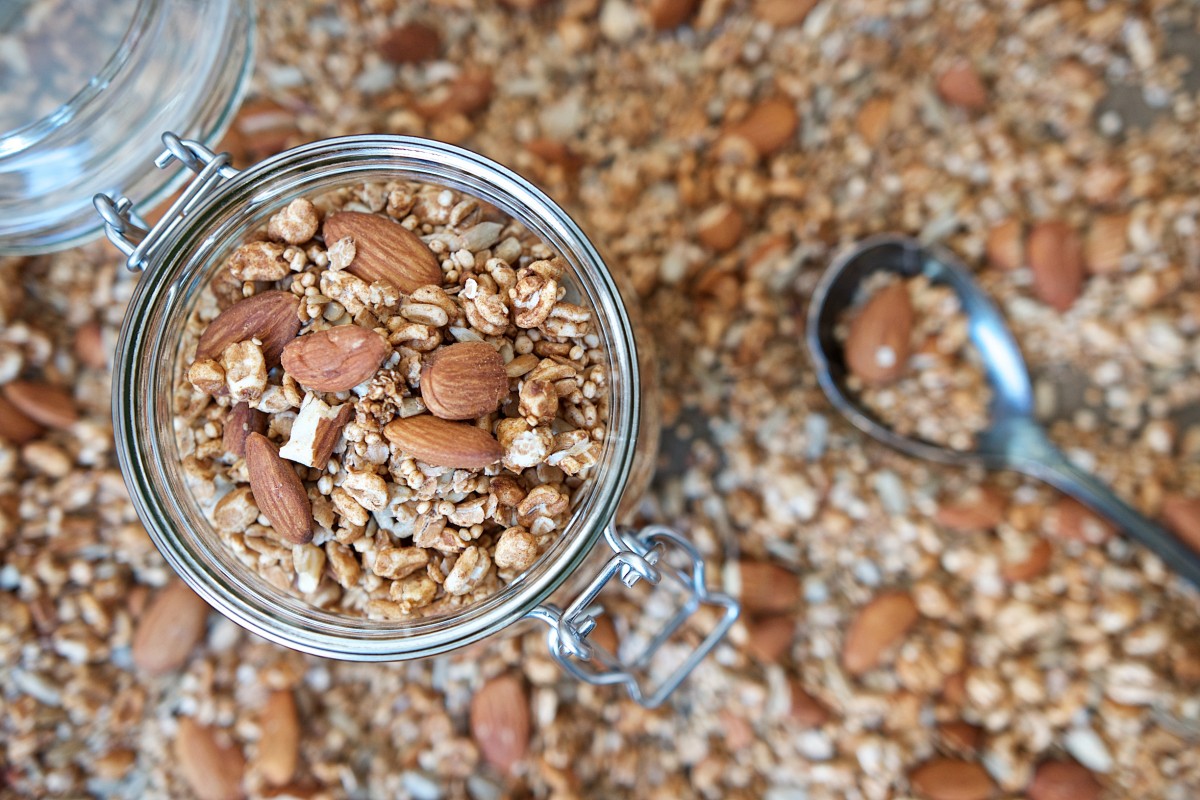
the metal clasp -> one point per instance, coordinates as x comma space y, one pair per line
131, 234
639, 556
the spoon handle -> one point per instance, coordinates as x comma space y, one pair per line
1055, 469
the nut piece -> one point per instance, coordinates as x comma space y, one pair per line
979, 509
295, 224
1106, 244
770, 638
961, 86
782, 13
464, 381
1063, 780
877, 345
241, 422
1031, 564
874, 119
952, 779
278, 491
258, 261
1072, 520
500, 722
269, 317
768, 128
399, 562
411, 43
169, 629
335, 359
1006, 245
720, 228
1182, 515
316, 431
279, 745
767, 588
212, 766
807, 710
15, 425
384, 250
45, 404
668, 14
881, 623
1056, 258
443, 443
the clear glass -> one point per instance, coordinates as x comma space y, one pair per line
146, 367
179, 65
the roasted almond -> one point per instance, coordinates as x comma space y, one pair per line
806, 710
1006, 245
1072, 520
443, 443
1063, 780
279, 743
770, 638
960, 85
316, 431
883, 622
877, 346
668, 14
1105, 246
89, 345
269, 317
15, 425
170, 627
1056, 259
962, 737
211, 763
1030, 564
464, 381
411, 43
241, 422
278, 491
500, 722
782, 13
767, 129
335, 359
873, 120
604, 634
979, 509
952, 779
384, 250
720, 228
47, 405
1182, 516
766, 588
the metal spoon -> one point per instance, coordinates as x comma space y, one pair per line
1013, 440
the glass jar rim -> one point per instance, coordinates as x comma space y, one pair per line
188, 246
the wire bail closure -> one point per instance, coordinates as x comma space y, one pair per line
136, 238
637, 557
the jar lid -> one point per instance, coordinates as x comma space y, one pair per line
84, 88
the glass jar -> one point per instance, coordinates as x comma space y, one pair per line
92, 85
182, 253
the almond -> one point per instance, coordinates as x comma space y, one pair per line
961, 86
279, 744
769, 127
604, 634
15, 425
952, 779
335, 359
241, 422
1182, 516
261, 129
954, 690
315, 432
115, 764
270, 317
555, 152
770, 638
471, 91
464, 381
89, 345
411, 43
1106, 244
806, 710
877, 346
278, 491
384, 250
212, 765
1063, 780
44, 404
171, 626
960, 736
500, 722
668, 14
1006, 245
873, 120
767, 588
443, 443
720, 228
782, 13
1069, 519
980, 509
1056, 258
883, 622
1032, 564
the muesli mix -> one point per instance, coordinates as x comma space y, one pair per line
390, 408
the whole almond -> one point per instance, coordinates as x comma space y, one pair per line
769, 126
170, 627
1006, 245
668, 14
1056, 259
877, 346
767, 588
443, 443
806, 710
384, 250
411, 43
269, 317
1032, 564
720, 228
960, 736
15, 425
241, 422
960, 85
1063, 780
873, 120
605, 634
47, 405
1182, 516
1106, 244
782, 13
279, 744
464, 381
278, 491
500, 722
213, 768
883, 622
770, 638
980, 509
1069, 519
89, 345
952, 779
335, 359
